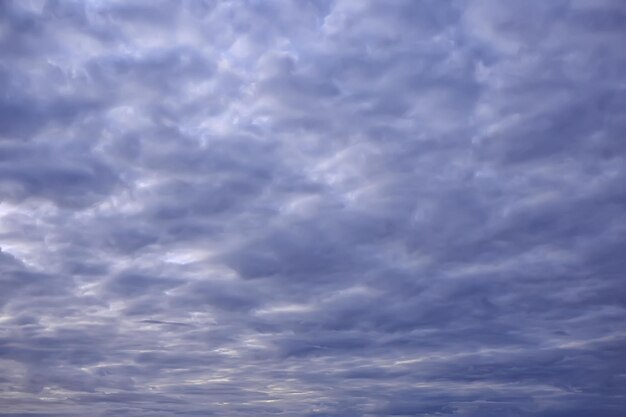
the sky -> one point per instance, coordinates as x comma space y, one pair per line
313, 208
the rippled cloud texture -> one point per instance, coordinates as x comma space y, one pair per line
313, 208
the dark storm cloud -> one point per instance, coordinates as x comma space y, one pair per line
312, 208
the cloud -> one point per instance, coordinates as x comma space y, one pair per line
324, 208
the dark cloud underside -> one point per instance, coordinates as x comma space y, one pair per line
312, 208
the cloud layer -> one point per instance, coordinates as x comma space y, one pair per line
312, 208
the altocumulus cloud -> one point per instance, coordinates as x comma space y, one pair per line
313, 208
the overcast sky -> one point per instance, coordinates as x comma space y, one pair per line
313, 208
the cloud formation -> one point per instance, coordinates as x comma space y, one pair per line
312, 208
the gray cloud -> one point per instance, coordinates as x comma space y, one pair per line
312, 208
